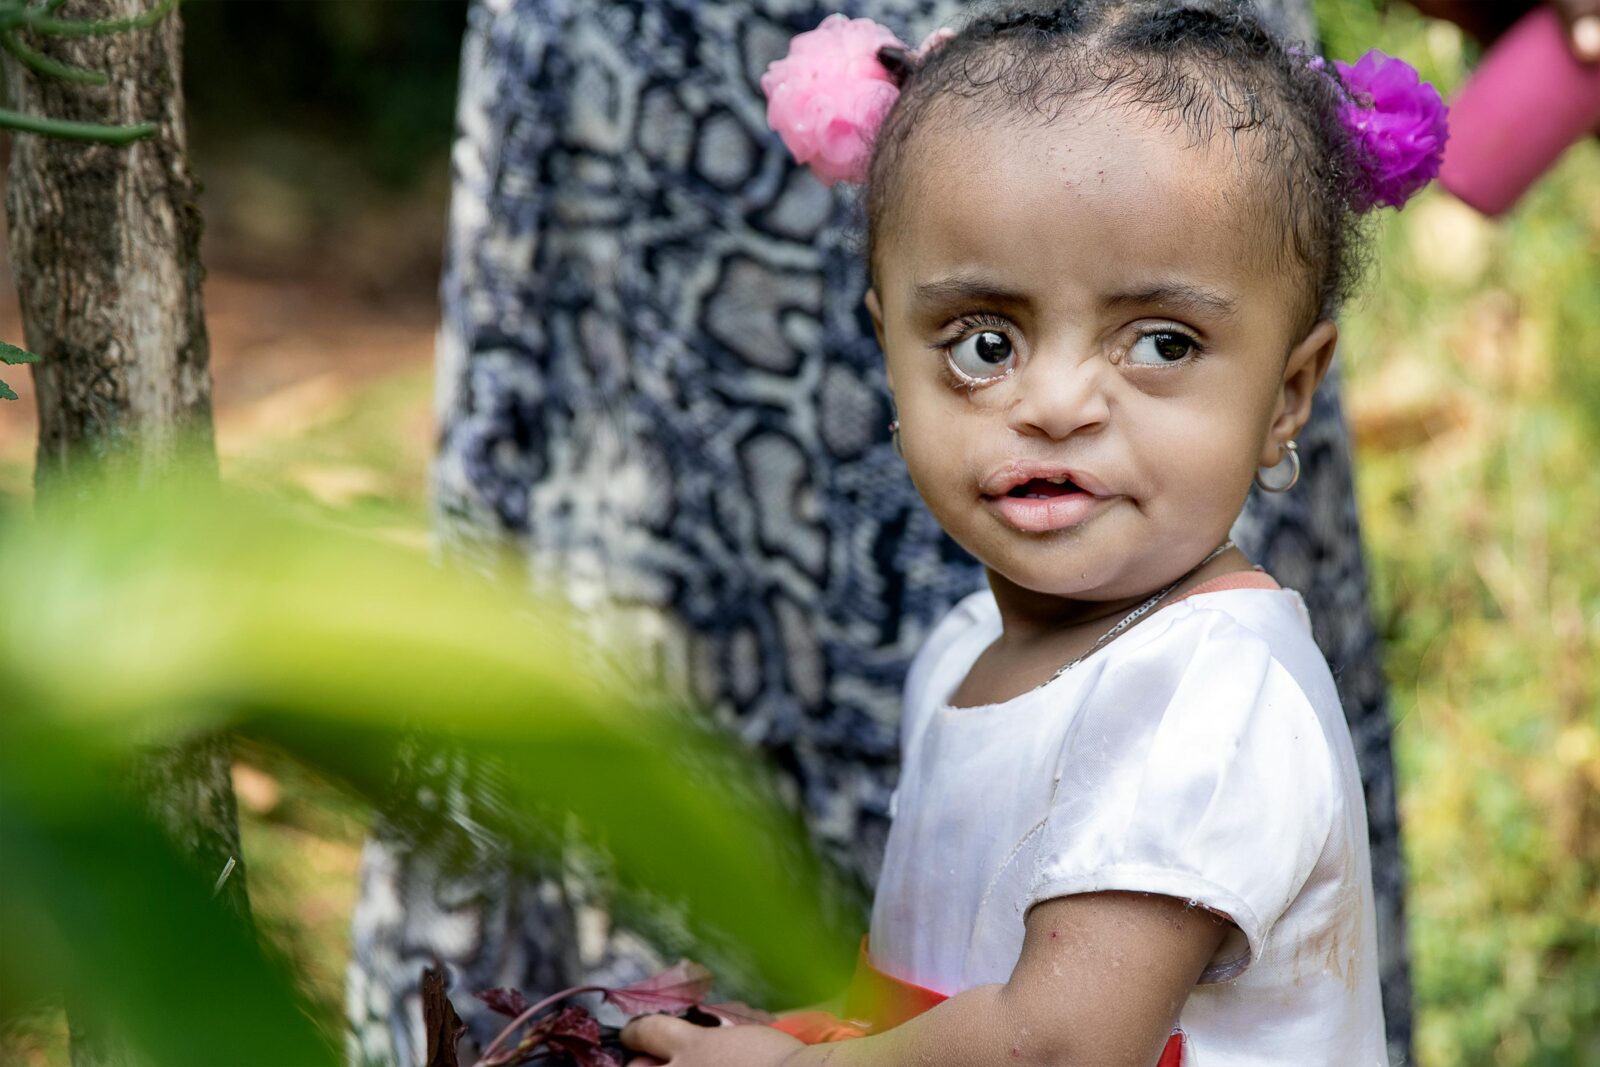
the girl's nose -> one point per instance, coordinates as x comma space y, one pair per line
1056, 398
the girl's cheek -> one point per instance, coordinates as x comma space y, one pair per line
955, 397
932, 460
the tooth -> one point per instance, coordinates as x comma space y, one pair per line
1062, 480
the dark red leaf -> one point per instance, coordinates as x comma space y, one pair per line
680, 986
575, 1032
585, 1054
596, 1057
572, 1033
533, 1022
505, 1001
572, 1022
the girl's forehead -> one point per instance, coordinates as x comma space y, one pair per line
1097, 196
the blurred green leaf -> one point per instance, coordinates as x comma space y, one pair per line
98, 898
141, 619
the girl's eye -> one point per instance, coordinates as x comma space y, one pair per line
1161, 347
982, 355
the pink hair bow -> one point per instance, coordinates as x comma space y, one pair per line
827, 97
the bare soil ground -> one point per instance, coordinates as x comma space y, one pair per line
311, 296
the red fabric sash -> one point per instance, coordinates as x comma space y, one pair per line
877, 1002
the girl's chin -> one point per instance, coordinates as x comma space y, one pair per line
1069, 568
1030, 576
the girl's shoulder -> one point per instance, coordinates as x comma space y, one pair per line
1272, 618
1226, 636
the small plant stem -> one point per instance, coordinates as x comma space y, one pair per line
75, 131
70, 28
15, 12
511, 1028
43, 64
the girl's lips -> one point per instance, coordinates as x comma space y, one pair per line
1036, 497
1014, 475
1041, 514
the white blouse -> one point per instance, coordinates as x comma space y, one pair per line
1202, 755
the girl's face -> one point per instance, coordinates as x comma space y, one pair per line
1086, 329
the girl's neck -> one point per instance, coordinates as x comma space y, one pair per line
1027, 615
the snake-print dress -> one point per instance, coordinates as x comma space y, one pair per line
656, 377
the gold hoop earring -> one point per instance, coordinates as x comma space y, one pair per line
1293, 453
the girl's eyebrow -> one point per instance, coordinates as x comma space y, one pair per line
960, 287
1178, 295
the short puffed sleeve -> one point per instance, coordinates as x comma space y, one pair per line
1198, 769
942, 660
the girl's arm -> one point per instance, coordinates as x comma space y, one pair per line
1100, 981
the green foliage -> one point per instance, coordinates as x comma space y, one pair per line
13, 355
138, 620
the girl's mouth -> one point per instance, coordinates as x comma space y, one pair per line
1041, 504
1044, 489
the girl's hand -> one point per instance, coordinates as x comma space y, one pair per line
1102, 979
668, 1040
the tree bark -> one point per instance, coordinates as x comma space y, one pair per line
105, 245
105, 241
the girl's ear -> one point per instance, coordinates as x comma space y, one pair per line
1306, 367
875, 309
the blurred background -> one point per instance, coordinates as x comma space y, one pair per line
1472, 366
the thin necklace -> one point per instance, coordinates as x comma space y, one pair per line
1134, 615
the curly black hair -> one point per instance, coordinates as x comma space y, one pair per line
1209, 66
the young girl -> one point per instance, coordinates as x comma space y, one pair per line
1106, 240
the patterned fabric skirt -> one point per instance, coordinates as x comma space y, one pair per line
656, 378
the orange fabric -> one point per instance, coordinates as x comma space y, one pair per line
877, 1002
882, 999
818, 1027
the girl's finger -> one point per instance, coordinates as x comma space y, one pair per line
657, 1035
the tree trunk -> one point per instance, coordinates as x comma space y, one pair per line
105, 242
